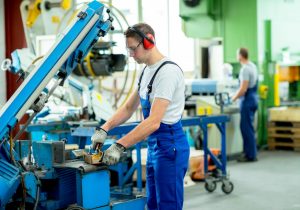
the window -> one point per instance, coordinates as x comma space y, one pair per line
170, 37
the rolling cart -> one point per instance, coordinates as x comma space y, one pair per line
220, 161
220, 174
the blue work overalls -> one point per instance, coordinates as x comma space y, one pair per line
248, 107
167, 160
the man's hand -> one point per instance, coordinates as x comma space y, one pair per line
113, 153
98, 138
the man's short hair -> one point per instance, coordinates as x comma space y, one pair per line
244, 52
142, 27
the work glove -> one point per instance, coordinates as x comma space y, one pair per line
113, 153
98, 138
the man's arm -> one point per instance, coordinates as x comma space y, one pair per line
242, 90
123, 113
147, 126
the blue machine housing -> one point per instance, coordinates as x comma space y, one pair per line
57, 183
75, 183
204, 87
94, 189
9, 181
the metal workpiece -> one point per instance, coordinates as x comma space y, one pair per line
94, 158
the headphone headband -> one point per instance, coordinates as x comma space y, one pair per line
141, 34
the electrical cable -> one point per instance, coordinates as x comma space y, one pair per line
75, 207
23, 190
11, 148
80, 69
1, 143
88, 57
89, 64
37, 197
135, 70
127, 72
123, 87
36, 59
24, 126
131, 87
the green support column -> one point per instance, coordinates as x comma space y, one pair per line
268, 75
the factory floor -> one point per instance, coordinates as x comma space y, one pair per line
272, 183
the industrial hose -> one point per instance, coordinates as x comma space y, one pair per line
37, 197
88, 57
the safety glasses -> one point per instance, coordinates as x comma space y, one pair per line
133, 49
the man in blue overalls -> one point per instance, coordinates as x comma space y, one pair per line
248, 104
160, 92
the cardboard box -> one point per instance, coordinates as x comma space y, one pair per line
284, 114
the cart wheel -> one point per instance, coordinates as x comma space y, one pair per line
227, 188
210, 186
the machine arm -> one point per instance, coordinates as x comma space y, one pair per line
69, 50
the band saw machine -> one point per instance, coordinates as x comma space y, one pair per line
38, 174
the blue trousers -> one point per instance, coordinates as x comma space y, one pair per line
167, 163
247, 129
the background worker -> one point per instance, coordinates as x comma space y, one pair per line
247, 94
160, 93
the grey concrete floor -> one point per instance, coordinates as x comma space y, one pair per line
272, 183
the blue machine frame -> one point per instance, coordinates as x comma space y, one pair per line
202, 121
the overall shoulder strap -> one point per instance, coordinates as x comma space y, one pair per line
152, 79
140, 79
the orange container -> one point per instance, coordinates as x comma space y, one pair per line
197, 165
289, 73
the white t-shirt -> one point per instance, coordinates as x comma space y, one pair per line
168, 84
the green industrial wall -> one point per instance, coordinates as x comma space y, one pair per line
240, 28
233, 20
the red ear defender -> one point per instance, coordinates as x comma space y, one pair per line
148, 41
